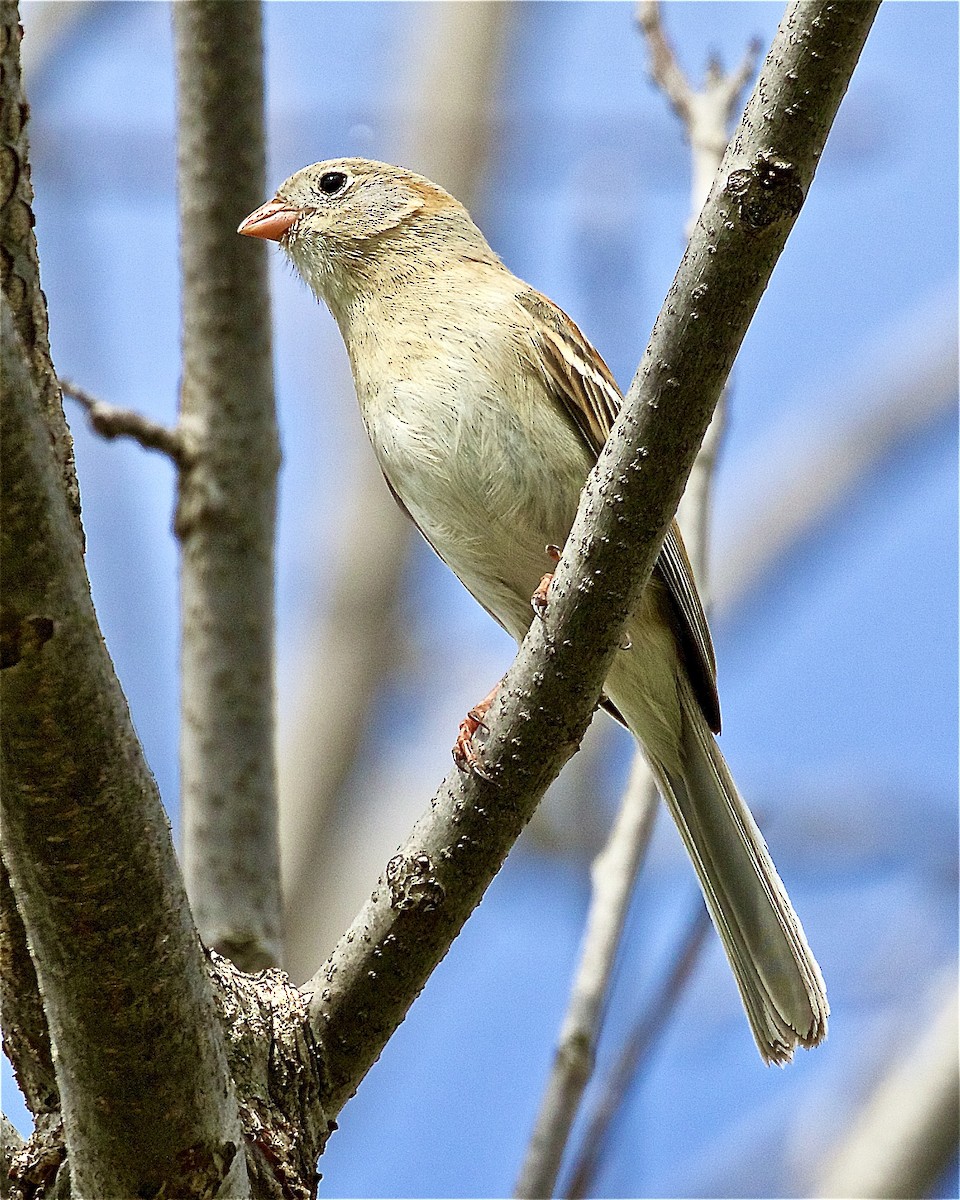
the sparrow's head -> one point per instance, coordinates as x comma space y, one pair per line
350, 223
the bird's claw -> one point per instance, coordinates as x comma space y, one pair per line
465, 754
538, 601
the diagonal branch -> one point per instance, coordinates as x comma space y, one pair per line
640, 1041
616, 867
226, 504
546, 701
614, 872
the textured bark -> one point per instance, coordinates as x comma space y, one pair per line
18, 249
430, 887
139, 1054
140, 1064
26, 1038
226, 505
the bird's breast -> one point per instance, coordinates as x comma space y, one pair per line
486, 465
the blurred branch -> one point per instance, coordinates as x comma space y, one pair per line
635, 1049
111, 422
456, 52
802, 472
613, 876
908, 1131
548, 695
459, 57
706, 114
226, 504
706, 117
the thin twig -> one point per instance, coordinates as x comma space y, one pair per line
638, 1045
110, 422
706, 113
615, 869
665, 71
437, 877
614, 872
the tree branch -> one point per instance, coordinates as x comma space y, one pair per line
111, 422
226, 504
613, 876
26, 1038
548, 696
707, 113
146, 1098
140, 1065
616, 867
639, 1043
18, 251
906, 1135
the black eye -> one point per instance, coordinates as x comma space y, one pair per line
332, 182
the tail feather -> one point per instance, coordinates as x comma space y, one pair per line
778, 977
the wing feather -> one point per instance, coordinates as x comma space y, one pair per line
581, 382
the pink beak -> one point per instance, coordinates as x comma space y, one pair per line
270, 220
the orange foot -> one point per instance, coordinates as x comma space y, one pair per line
539, 598
464, 752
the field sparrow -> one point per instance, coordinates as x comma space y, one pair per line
487, 407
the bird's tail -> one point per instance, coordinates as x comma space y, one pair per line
778, 977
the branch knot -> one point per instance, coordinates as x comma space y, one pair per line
767, 191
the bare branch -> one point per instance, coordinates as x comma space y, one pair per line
614, 874
907, 1133
615, 870
141, 1070
642, 1038
226, 504
26, 1037
706, 114
435, 880
140, 1059
10, 1143
18, 249
111, 422
665, 71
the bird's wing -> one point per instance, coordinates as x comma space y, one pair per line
579, 379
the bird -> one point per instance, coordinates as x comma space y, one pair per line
486, 408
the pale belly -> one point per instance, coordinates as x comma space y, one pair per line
490, 491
